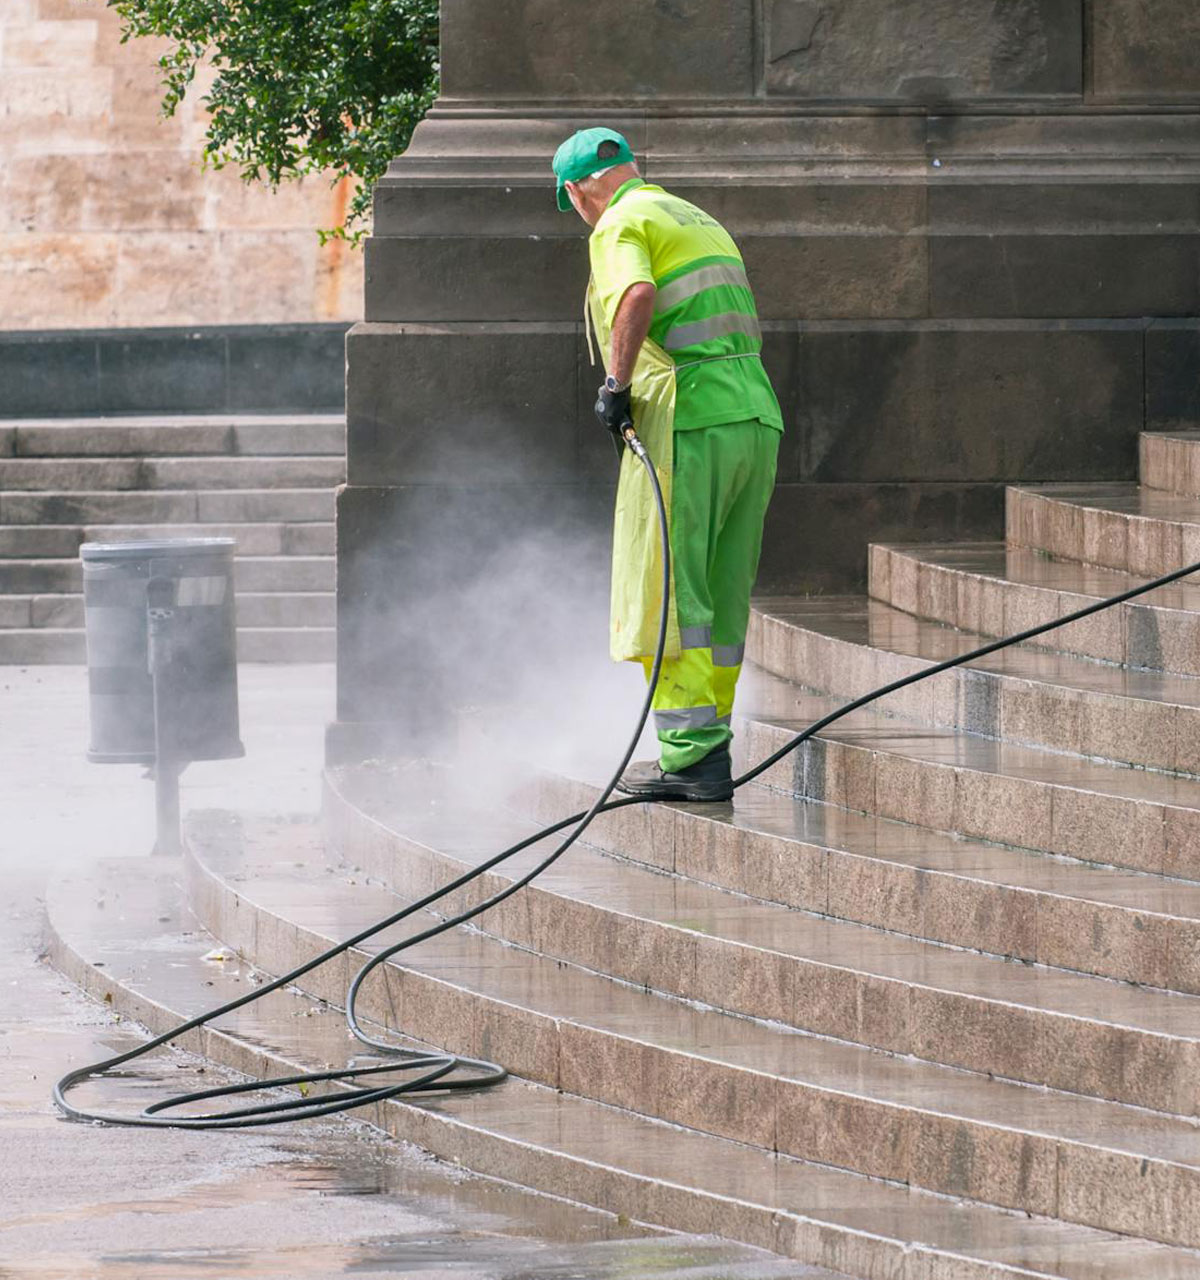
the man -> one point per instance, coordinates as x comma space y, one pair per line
679, 333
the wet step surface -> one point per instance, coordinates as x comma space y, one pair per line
1144, 531
837, 1103
852, 645
581, 1149
1001, 591
681, 936
315, 1200
900, 877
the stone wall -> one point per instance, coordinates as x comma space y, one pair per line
106, 218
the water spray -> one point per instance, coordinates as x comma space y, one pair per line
432, 1071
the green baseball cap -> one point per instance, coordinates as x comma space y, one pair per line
579, 158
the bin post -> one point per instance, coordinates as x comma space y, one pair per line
160, 614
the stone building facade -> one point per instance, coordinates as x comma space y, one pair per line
106, 217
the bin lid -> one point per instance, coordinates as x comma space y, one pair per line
155, 547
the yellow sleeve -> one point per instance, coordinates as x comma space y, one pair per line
620, 257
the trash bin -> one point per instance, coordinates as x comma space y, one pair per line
194, 583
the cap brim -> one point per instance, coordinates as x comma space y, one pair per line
563, 200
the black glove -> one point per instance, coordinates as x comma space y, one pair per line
614, 409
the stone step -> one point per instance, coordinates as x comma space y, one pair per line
963, 784
986, 588
1118, 526
131, 506
40, 541
39, 646
1170, 461
951, 1132
167, 435
316, 538
251, 573
67, 475
55, 540
957, 890
143, 960
765, 960
254, 609
851, 645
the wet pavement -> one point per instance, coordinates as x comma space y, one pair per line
320, 1199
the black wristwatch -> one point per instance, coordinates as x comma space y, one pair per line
611, 384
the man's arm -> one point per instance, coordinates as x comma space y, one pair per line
630, 327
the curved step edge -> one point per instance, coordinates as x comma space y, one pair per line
1028, 709
1075, 524
975, 596
1170, 461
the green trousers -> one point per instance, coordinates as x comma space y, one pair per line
723, 480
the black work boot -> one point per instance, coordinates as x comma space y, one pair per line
707, 779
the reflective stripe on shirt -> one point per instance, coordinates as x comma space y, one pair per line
722, 326
687, 286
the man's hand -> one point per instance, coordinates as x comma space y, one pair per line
614, 407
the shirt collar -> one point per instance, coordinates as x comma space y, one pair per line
624, 189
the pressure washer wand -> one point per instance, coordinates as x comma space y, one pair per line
630, 437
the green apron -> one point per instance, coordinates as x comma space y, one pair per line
637, 547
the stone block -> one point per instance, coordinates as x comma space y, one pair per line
463, 405
287, 367
846, 1131
58, 44
1144, 50
770, 205
1173, 375
84, 271
817, 534
165, 278
975, 401
833, 276
1025, 204
475, 278
923, 51
985, 1162
178, 372
545, 49
504, 206
41, 92
265, 276
997, 275
1010, 810
1111, 829
47, 373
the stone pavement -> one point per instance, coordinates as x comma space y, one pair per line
322, 1199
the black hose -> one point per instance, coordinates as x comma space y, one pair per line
435, 1070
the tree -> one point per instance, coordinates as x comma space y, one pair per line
302, 86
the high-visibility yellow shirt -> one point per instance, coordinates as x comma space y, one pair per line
704, 312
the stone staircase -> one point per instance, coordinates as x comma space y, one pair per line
917, 1006
267, 481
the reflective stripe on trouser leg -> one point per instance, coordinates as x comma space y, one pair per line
687, 719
